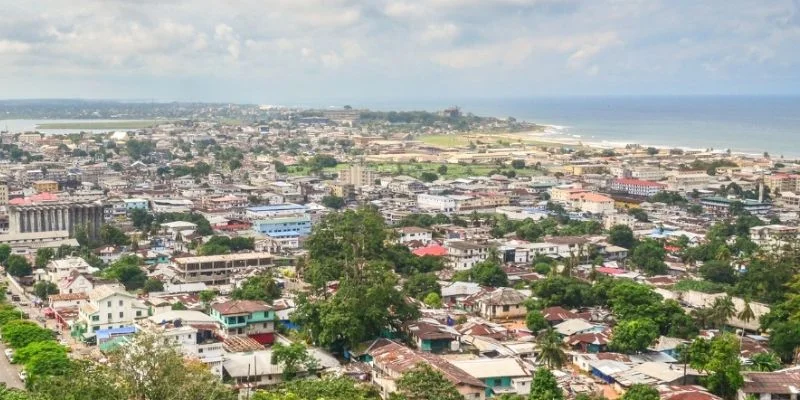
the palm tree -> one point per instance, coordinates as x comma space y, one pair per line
722, 310
747, 314
551, 353
702, 317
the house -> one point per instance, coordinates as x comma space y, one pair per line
463, 255
590, 342
778, 385
575, 326
63, 300
497, 374
454, 292
75, 283
556, 315
390, 360
499, 303
431, 336
59, 269
637, 187
108, 307
413, 233
668, 345
192, 332
594, 203
254, 368
255, 319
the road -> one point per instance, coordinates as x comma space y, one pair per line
9, 374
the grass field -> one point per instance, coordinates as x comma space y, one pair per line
416, 169
138, 124
490, 139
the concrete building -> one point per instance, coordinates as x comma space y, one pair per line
357, 175
49, 216
217, 270
45, 186
108, 307
773, 237
254, 319
3, 193
413, 233
636, 187
192, 332
594, 203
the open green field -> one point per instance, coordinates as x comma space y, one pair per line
491, 139
138, 124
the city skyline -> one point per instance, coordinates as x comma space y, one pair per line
294, 52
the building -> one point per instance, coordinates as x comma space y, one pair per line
45, 186
192, 332
498, 374
499, 303
564, 193
412, 233
594, 203
275, 210
463, 255
778, 385
647, 173
637, 187
390, 360
63, 268
722, 205
291, 227
3, 193
217, 270
29, 215
437, 203
136, 204
254, 319
773, 237
782, 182
172, 205
108, 307
357, 175
688, 181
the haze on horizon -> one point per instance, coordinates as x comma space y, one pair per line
315, 50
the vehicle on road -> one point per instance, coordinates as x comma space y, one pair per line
14, 297
23, 304
9, 354
23, 375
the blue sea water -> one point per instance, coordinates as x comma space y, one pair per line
751, 124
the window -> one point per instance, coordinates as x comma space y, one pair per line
498, 382
95, 318
120, 303
109, 316
108, 303
95, 328
121, 314
200, 351
138, 313
506, 308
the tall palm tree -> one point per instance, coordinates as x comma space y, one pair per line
722, 310
764, 362
702, 317
551, 352
747, 314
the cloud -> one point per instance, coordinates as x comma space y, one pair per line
379, 47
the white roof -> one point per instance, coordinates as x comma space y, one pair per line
187, 316
573, 326
483, 368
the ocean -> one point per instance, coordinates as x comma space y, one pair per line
747, 124
743, 124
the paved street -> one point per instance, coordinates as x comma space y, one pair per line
9, 373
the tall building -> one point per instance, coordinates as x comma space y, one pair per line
45, 213
357, 175
3, 193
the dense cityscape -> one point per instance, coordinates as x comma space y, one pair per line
219, 251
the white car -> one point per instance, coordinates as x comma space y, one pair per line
23, 375
9, 353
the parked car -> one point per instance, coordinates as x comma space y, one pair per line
14, 297
9, 354
23, 375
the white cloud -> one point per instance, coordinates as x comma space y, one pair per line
13, 47
440, 32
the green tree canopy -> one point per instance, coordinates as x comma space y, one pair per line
420, 285
17, 265
425, 383
621, 235
43, 256
329, 388
153, 285
634, 336
489, 273
127, 271
260, 287
649, 257
544, 386
21, 333
641, 392
535, 321
334, 202
43, 289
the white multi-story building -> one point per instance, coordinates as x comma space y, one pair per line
60, 269
637, 187
110, 307
192, 332
413, 233
436, 202
463, 255
648, 173
774, 237
594, 203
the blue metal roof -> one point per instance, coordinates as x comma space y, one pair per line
108, 333
277, 207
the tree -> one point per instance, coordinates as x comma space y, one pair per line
518, 164
649, 257
21, 333
425, 383
551, 352
334, 202
280, 167
153, 285
641, 392
695, 209
722, 310
621, 235
420, 285
207, 296
652, 151
535, 321
178, 306
327, 387
5, 251
489, 273
433, 300
9, 314
785, 339
112, 236
17, 265
81, 380
293, 358
723, 366
428, 176
442, 170
43, 256
634, 336
764, 362
148, 369
639, 214
260, 287
544, 386
718, 271
25, 354
43, 289
127, 271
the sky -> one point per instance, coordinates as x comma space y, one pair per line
283, 51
